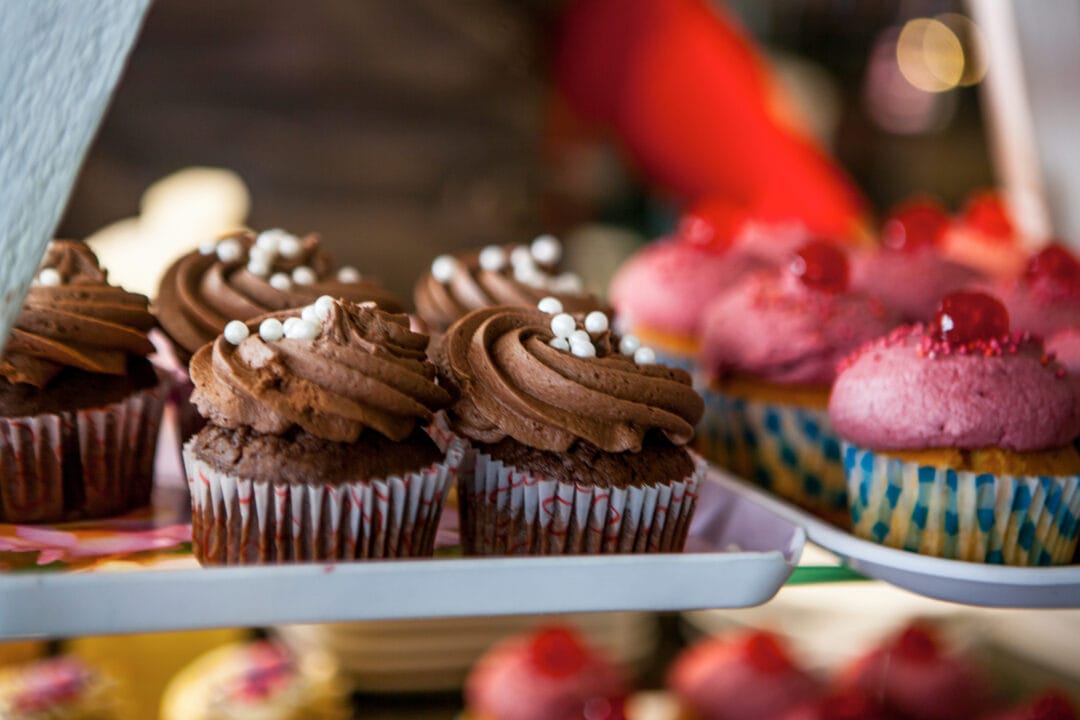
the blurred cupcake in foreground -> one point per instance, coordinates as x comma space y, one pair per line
907, 272
80, 404
61, 688
770, 346
580, 436
549, 674
517, 275
959, 439
256, 680
739, 676
317, 414
984, 236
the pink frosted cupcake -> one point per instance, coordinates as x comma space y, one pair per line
984, 236
1044, 299
770, 348
908, 273
959, 439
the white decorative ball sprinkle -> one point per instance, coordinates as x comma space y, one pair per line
236, 332
207, 247
50, 277
280, 281
546, 249
580, 336
644, 356
289, 246
520, 255
596, 322
567, 283
550, 305
348, 274
302, 330
493, 258
583, 349
271, 329
528, 275
303, 275
270, 240
229, 250
443, 267
562, 325
261, 254
310, 314
323, 305
289, 323
559, 344
258, 267
629, 344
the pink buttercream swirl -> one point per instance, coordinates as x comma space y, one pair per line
910, 391
775, 328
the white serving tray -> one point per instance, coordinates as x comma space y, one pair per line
739, 555
952, 580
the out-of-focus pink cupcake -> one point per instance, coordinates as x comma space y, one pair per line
984, 236
750, 675
908, 273
550, 674
839, 705
1050, 705
1045, 298
1064, 345
916, 679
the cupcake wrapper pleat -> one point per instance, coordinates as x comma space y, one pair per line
80, 464
508, 512
961, 515
789, 450
245, 520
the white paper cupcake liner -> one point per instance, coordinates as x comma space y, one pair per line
239, 520
961, 515
80, 464
505, 511
787, 449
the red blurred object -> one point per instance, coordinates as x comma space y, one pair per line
1055, 266
821, 266
985, 211
691, 99
1050, 705
839, 705
962, 318
713, 224
557, 651
915, 224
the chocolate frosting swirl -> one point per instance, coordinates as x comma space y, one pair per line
513, 383
365, 369
200, 292
83, 322
470, 287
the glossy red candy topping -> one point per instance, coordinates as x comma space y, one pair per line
969, 317
914, 225
986, 213
557, 652
821, 266
765, 653
713, 224
916, 643
1051, 706
1056, 266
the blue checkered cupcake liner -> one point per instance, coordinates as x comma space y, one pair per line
790, 450
961, 515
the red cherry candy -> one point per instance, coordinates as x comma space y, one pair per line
917, 642
1056, 265
1051, 706
986, 212
713, 223
965, 317
821, 266
914, 225
557, 652
765, 653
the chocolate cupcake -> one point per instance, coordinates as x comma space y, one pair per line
579, 437
80, 405
518, 275
315, 448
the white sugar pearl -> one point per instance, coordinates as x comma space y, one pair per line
596, 322
567, 283
550, 305
258, 267
261, 254
280, 281
289, 246
310, 314
493, 258
583, 349
236, 332
229, 250
348, 274
50, 277
580, 336
270, 240
271, 329
520, 256
323, 305
443, 267
528, 275
644, 356
303, 275
207, 247
562, 325
546, 249
629, 344
289, 323
302, 330
559, 344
